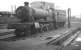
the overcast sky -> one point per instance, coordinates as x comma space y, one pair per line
5, 5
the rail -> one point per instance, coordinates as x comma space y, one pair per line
60, 40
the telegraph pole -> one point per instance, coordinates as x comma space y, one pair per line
69, 16
12, 8
15, 7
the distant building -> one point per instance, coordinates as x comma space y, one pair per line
74, 19
5, 12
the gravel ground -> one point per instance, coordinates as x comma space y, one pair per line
36, 43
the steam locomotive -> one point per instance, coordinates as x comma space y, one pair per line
34, 20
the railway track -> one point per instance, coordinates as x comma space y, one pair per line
11, 37
66, 38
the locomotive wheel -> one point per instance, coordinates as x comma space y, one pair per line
45, 29
19, 33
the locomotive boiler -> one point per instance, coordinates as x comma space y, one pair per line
34, 20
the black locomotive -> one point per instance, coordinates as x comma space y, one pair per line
35, 20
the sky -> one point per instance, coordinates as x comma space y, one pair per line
5, 5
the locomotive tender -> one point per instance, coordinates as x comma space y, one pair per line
34, 20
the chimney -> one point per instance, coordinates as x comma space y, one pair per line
26, 3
